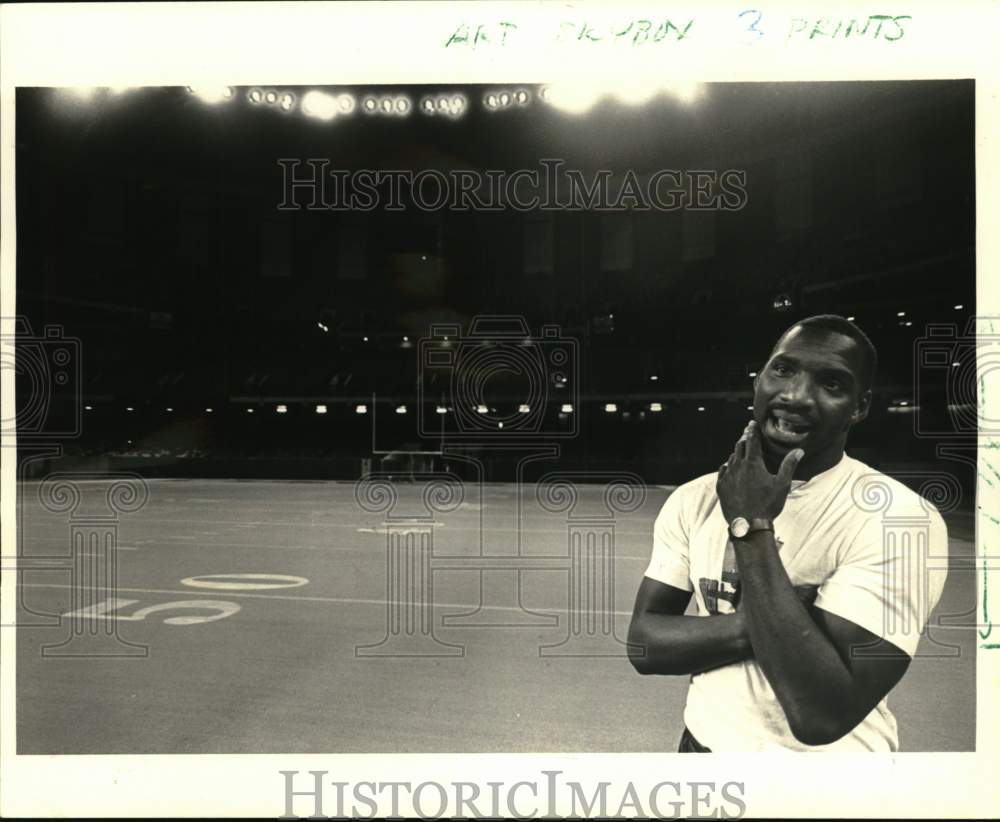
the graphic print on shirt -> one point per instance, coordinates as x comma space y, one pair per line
727, 587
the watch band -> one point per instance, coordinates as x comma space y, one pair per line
741, 528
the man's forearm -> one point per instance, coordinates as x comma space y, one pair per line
809, 678
668, 644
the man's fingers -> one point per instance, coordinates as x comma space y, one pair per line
754, 450
742, 442
788, 466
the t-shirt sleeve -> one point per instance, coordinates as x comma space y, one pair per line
669, 563
891, 577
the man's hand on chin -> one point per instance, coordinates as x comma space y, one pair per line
746, 488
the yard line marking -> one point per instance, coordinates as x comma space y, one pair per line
340, 600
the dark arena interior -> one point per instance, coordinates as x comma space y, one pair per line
285, 373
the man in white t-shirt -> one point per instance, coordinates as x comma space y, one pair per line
808, 568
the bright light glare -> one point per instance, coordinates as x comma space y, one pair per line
686, 91
320, 409
611, 408
441, 409
567, 408
573, 97
481, 409
212, 94
655, 406
638, 91
400, 409
282, 409
361, 409
320, 105
524, 409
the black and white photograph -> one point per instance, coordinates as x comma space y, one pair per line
634, 415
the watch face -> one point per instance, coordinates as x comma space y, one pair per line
739, 527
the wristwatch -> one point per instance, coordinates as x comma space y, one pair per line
741, 528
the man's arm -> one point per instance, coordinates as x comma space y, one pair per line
824, 688
664, 641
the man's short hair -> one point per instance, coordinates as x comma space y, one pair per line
842, 325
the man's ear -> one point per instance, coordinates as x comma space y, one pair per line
863, 407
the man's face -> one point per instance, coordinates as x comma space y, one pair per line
809, 393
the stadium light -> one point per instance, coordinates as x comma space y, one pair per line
170, 410
655, 406
320, 105
129, 408
212, 94
955, 364
959, 307
441, 409
249, 410
320, 409
287, 101
654, 378
900, 313
255, 95
610, 408
400, 409
88, 408
281, 409
850, 319
481, 409
701, 407
567, 408
361, 409
208, 410
908, 323
573, 97
752, 374
523, 408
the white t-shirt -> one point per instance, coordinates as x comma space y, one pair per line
860, 535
